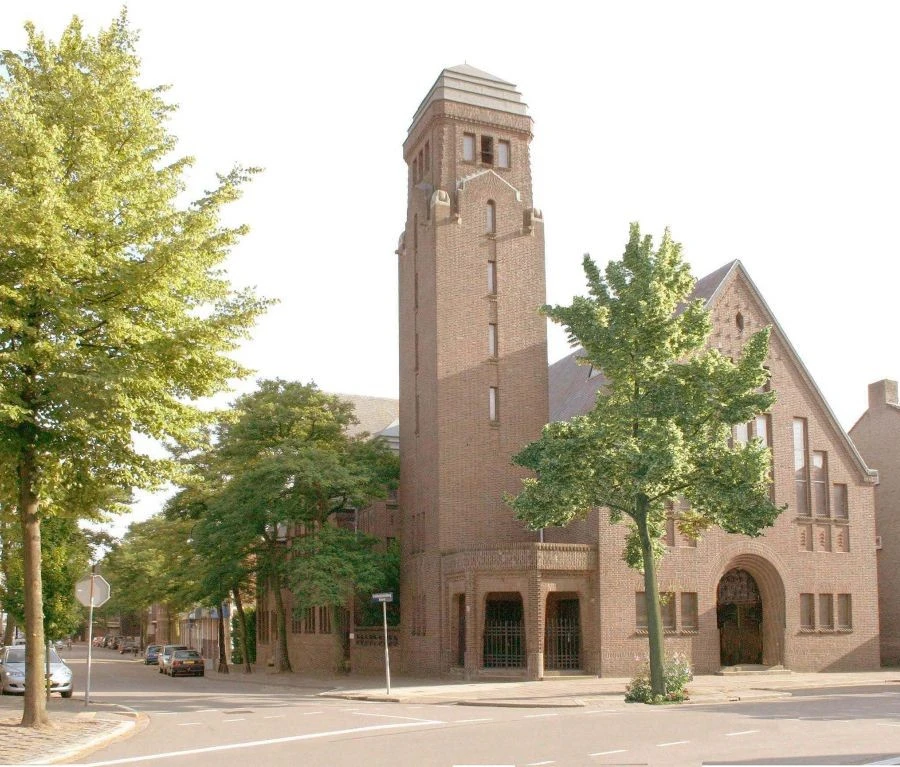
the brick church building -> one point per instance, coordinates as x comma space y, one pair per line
483, 595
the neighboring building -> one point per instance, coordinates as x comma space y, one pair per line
877, 435
319, 638
480, 593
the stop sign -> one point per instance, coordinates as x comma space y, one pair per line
92, 597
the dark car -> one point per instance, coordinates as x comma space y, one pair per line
151, 655
187, 662
165, 656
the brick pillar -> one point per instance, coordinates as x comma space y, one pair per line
535, 609
473, 616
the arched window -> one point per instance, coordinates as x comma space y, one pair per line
490, 214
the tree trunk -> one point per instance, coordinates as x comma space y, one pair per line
223, 654
34, 711
651, 593
242, 629
282, 661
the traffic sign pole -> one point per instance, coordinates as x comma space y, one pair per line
384, 597
90, 638
387, 654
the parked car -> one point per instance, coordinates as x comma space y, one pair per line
129, 645
151, 654
187, 662
12, 673
165, 656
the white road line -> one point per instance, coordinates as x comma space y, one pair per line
469, 721
538, 716
407, 718
187, 724
742, 732
258, 743
606, 753
887, 724
538, 764
672, 743
893, 760
238, 719
206, 710
313, 713
277, 716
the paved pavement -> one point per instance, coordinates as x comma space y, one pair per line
78, 732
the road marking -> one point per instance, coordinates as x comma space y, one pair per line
538, 764
206, 710
894, 760
742, 732
278, 716
186, 724
469, 721
407, 718
672, 743
887, 724
312, 713
606, 753
238, 719
258, 743
538, 716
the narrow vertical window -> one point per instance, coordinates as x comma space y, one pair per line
415, 170
670, 529
492, 276
844, 613
819, 477
826, 612
415, 233
487, 150
503, 154
417, 413
807, 612
740, 433
839, 503
492, 339
490, 217
667, 608
416, 353
801, 469
640, 611
416, 290
469, 147
493, 403
689, 614
427, 156
421, 165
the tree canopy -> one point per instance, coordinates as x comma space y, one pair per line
661, 427
115, 314
281, 465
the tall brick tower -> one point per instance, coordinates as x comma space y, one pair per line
473, 357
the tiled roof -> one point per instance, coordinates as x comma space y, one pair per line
573, 387
374, 413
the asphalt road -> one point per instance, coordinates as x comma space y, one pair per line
193, 721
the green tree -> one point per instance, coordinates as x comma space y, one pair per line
114, 312
284, 463
661, 425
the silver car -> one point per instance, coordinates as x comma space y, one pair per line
12, 673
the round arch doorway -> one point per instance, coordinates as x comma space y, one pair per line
739, 614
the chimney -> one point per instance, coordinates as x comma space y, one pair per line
882, 393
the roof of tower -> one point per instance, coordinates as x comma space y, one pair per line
467, 85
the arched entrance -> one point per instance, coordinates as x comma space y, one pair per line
739, 615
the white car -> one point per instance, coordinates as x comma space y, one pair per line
12, 673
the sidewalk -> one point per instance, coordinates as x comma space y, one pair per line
77, 733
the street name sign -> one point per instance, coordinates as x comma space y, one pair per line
384, 596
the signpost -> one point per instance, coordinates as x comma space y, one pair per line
92, 591
385, 597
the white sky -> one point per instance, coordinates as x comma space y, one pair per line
763, 131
